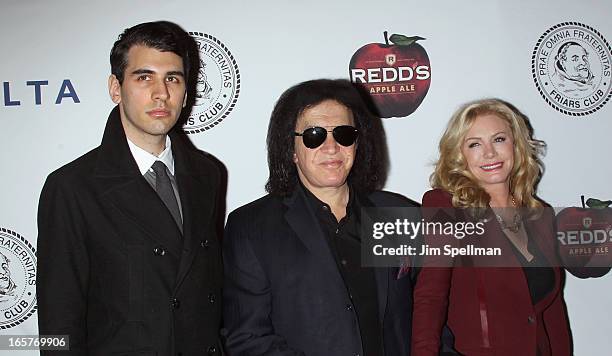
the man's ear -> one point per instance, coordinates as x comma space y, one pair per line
185, 99
295, 159
114, 89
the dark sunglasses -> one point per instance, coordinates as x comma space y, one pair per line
314, 137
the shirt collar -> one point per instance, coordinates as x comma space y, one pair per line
145, 159
318, 204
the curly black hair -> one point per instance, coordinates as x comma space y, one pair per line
369, 169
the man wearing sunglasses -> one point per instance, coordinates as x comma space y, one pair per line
294, 282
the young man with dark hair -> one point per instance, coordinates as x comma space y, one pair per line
128, 257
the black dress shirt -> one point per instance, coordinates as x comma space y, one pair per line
345, 244
538, 273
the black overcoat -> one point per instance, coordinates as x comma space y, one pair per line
114, 272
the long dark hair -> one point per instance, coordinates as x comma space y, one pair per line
371, 161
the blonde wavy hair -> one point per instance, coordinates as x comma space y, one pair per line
452, 174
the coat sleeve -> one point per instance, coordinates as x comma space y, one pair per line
63, 267
247, 297
431, 291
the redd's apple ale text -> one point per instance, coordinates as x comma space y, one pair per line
396, 76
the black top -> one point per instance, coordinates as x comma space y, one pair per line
345, 244
540, 276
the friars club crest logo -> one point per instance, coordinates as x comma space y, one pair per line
217, 87
396, 75
17, 279
571, 68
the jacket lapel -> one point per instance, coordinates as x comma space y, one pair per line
381, 274
541, 230
119, 180
303, 222
197, 202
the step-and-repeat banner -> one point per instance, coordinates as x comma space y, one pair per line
418, 60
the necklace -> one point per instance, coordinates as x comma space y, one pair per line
516, 223
516, 220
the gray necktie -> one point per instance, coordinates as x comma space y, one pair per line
163, 187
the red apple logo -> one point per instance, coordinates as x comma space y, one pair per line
396, 76
585, 238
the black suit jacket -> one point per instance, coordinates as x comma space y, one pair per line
114, 272
283, 293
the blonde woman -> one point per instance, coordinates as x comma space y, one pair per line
489, 160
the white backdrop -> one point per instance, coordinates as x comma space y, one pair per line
477, 49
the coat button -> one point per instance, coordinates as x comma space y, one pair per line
212, 350
349, 307
211, 298
531, 319
159, 250
205, 243
176, 303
